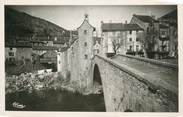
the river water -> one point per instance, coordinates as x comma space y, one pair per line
55, 100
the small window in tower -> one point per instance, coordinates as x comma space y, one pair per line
130, 39
86, 56
85, 44
85, 32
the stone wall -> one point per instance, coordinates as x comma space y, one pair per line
126, 91
24, 52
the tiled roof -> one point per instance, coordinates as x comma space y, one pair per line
145, 18
172, 14
73, 40
18, 44
64, 49
37, 41
119, 27
88, 23
58, 42
44, 48
163, 26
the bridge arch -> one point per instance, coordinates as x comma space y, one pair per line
97, 80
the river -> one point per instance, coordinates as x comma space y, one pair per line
55, 100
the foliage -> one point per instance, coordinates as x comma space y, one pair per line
21, 24
116, 44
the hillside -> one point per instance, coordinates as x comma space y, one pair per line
22, 24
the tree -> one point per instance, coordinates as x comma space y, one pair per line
116, 45
150, 40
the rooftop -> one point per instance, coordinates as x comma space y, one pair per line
145, 18
163, 26
172, 14
18, 44
44, 48
119, 27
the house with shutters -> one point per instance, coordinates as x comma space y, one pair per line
17, 50
120, 38
159, 40
169, 36
150, 39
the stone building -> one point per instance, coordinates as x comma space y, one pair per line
151, 33
170, 21
77, 57
85, 40
18, 51
120, 37
96, 45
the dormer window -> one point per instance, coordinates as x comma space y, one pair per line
85, 32
85, 44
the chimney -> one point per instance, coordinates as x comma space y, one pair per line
125, 21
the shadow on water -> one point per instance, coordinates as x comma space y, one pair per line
55, 100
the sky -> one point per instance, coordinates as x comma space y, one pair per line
71, 17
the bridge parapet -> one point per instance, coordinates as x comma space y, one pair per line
152, 61
126, 87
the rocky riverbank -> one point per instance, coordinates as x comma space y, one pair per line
34, 81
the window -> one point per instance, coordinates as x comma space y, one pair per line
130, 48
137, 39
86, 56
130, 39
85, 32
163, 32
11, 48
11, 53
85, 44
137, 48
130, 32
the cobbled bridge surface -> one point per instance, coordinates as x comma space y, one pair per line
136, 84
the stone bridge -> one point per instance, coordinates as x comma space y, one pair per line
136, 84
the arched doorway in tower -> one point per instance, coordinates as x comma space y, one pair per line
97, 86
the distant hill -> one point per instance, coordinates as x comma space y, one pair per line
22, 24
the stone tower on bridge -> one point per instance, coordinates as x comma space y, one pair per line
76, 59
85, 50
